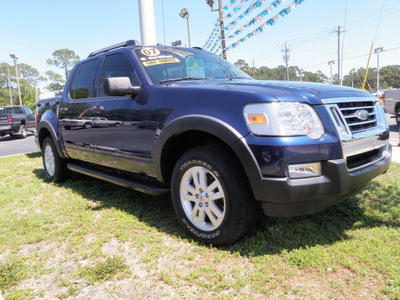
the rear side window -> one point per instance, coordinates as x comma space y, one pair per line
82, 85
116, 65
18, 110
28, 110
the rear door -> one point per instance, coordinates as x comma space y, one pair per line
74, 112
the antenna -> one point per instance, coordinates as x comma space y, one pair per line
165, 38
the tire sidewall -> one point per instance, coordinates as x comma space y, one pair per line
187, 162
23, 132
59, 164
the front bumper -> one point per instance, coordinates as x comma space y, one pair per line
286, 197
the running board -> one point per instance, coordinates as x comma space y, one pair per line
135, 185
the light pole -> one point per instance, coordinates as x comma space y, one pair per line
15, 57
185, 14
330, 63
377, 51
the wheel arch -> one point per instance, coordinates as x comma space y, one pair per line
190, 131
46, 129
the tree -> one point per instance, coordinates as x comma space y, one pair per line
29, 77
241, 64
57, 83
64, 59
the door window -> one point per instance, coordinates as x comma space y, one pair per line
117, 65
82, 87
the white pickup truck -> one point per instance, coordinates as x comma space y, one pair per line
391, 100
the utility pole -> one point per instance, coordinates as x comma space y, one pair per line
221, 23
339, 31
286, 59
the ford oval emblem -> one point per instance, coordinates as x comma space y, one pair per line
362, 114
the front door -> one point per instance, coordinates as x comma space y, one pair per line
118, 134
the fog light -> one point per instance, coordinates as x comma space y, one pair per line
305, 170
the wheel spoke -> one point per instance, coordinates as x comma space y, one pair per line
216, 196
203, 179
212, 186
215, 210
194, 212
202, 216
212, 218
188, 189
189, 197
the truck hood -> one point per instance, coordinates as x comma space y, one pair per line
309, 92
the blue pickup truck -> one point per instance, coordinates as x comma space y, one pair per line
16, 121
186, 122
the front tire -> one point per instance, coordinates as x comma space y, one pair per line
211, 195
55, 167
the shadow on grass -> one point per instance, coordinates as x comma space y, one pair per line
34, 155
270, 235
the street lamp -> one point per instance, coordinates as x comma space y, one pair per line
377, 51
330, 63
185, 14
15, 57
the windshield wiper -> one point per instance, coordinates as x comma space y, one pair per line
182, 79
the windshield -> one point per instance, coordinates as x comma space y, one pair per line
170, 64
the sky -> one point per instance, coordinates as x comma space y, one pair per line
35, 29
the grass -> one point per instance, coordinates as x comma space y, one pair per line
90, 239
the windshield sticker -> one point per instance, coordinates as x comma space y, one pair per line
160, 61
194, 67
150, 51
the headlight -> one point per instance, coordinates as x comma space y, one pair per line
283, 119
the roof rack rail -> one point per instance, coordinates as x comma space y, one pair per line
119, 45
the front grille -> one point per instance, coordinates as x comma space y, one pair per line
349, 112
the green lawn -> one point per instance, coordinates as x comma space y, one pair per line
96, 240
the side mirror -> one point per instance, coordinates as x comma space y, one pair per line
120, 86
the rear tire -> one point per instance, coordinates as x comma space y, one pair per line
211, 196
398, 117
55, 167
22, 132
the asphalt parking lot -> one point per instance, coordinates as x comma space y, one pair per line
13, 145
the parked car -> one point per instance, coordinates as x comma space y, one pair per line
16, 121
391, 102
224, 145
